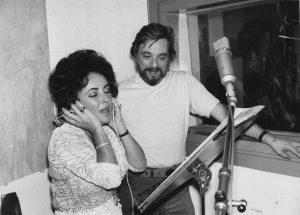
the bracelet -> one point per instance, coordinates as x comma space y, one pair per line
262, 135
103, 144
124, 134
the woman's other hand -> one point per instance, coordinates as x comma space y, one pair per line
117, 118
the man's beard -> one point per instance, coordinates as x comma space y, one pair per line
152, 75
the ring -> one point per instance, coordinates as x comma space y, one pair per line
82, 109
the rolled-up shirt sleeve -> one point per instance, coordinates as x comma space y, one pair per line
201, 100
77, 155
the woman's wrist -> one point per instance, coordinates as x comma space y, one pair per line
125, 133
96, 129
121, 128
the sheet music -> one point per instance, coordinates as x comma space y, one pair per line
243, 116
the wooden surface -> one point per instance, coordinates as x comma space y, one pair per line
25, 106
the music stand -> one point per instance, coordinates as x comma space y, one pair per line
206, 152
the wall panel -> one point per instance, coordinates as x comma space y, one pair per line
25, 106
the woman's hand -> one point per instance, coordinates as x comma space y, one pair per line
282, 145
134, 153
121, 128
81, 117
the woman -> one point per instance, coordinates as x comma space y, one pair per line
90, 152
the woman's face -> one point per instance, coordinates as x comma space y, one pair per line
96, 97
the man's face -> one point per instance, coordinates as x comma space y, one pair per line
153, 61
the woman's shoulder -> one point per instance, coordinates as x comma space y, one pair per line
67, 135
68, 128
65, 132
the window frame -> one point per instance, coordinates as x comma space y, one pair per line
249, 153
160, 9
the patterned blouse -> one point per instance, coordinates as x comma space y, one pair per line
80, 185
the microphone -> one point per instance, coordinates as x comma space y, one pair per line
223, 58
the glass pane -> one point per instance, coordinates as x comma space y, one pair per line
266, 64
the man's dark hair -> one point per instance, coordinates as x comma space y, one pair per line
70, 76
154, 31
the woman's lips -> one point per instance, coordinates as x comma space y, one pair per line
105, 110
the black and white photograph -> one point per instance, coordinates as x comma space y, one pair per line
149, 107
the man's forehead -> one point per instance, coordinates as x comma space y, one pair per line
161, 44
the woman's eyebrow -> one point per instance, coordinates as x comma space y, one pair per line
94, 88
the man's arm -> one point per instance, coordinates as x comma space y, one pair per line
280, 145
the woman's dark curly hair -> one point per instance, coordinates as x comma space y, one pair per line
154, 31
70, 76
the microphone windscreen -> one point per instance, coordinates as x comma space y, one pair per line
222, 43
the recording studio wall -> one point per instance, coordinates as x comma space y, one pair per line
25, 105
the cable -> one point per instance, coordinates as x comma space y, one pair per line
131, 195
127, 180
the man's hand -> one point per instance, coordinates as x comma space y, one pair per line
282, 145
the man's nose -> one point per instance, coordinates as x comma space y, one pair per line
154, 63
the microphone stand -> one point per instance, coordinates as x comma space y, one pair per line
221, 196
225, 172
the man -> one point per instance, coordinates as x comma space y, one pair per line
156, 103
